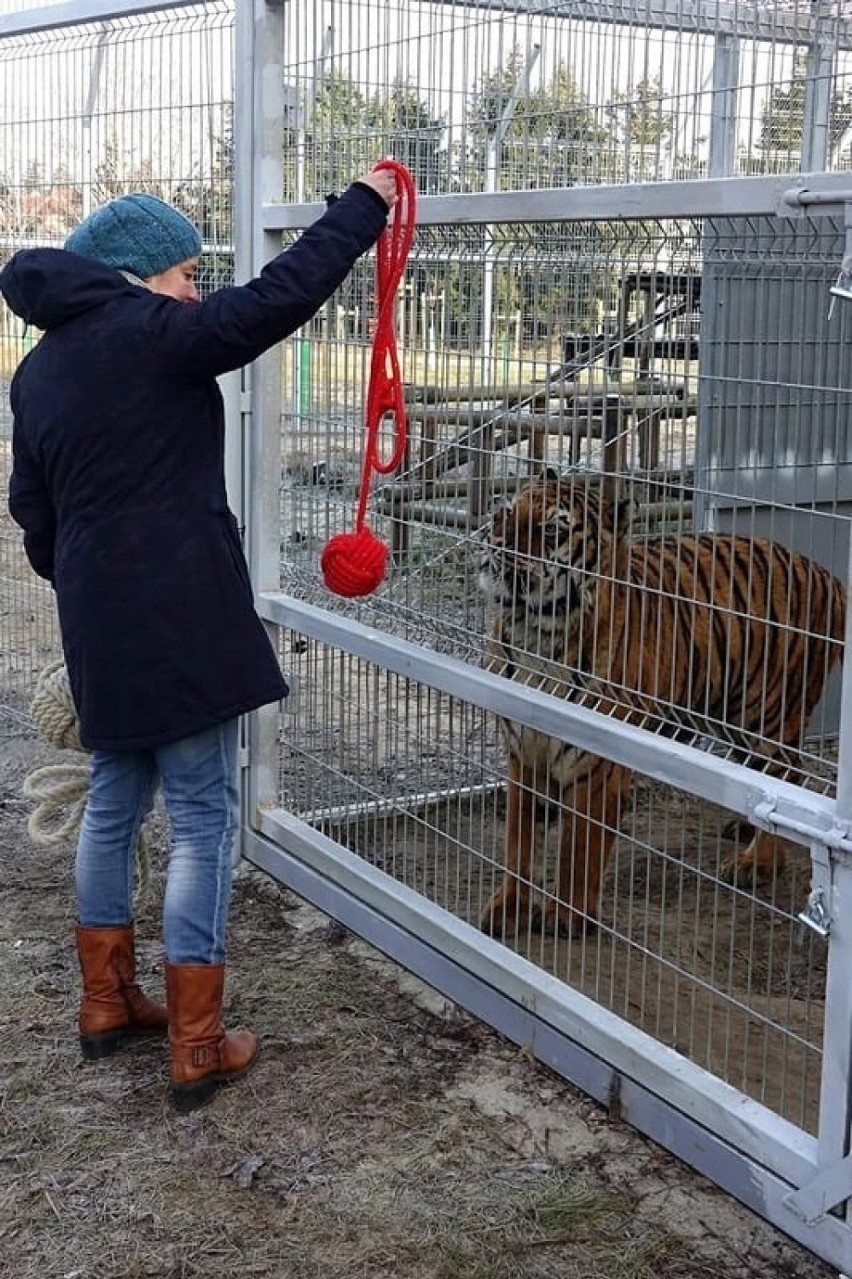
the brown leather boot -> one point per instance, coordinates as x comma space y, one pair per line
113, 1007
203, 1056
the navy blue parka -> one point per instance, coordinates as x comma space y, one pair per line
118, 476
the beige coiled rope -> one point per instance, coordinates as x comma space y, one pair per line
61, 790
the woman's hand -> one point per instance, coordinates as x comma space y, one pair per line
383, 182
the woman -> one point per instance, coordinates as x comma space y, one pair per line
118, 483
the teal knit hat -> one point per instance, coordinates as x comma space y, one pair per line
136, 233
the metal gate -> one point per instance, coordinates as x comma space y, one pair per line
671, 341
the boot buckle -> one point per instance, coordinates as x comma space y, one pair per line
205, 1055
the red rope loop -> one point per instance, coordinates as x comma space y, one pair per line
355, 563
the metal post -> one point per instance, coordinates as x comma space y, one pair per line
818, 85
259, 172
492, 183
835, 870
86, 123
844, 762
302, 346
723, 109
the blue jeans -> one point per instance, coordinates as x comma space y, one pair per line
199, 781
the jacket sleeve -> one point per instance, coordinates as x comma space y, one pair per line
235, 325
31, 507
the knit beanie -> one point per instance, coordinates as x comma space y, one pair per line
136, 233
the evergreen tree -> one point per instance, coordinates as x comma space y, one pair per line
406, 129
551, 138
779, 143
644, 129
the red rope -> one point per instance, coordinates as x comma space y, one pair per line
355, 563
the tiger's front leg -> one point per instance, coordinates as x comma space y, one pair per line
509, 903
589, 829
764, 858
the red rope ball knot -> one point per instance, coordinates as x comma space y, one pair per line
354, 563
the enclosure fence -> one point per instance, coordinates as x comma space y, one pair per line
582, 760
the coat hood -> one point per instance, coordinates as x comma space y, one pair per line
48, 287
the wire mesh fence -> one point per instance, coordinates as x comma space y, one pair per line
87, 112
139, 102
724, 972
625, 573
506, 95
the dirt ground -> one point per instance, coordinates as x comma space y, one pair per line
383, 1134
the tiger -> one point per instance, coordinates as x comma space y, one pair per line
706, 636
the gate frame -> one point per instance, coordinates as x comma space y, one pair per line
781, 1172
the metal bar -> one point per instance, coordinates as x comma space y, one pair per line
335, 814
723, 108
833, 1183
765, 800
695, 17
263, 41
492, 183
245, 142
827, 1190
844, 762
86, 122
817, 113
712, 197
804, 198
79, 12
237, 385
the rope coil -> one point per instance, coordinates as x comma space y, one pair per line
60, 791
355, 563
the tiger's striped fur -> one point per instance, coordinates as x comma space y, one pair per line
709, 635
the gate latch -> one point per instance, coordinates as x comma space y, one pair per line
817, 914
818, 911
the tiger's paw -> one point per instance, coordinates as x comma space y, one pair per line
743, 871
504, 911
512, 913
571, 923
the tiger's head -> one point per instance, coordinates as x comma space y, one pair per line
546, 548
